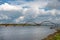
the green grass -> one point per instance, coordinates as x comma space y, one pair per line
54, 36
57, 36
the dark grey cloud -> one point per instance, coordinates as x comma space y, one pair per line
54, 4
58, 0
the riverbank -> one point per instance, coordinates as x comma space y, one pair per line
54, 36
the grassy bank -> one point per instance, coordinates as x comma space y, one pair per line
54, 36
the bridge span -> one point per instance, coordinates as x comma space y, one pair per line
44, 23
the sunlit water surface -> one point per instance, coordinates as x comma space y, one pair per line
25, 33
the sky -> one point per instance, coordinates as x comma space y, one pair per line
22, 11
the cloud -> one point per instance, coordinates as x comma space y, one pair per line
19, 19
38, 15
36, 11
51, 4
8, 7
54, 4
4, 17
34, 3
30, 0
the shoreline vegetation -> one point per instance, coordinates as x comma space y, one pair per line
24, 25
20, 25
54, 36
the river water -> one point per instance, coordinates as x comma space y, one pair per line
25, 33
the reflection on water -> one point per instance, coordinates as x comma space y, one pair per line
24, 33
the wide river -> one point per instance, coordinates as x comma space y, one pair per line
25, 33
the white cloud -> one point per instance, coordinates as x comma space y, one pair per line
19, 19
4, 17
37, 4
9, 7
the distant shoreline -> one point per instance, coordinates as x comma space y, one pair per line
19, 24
